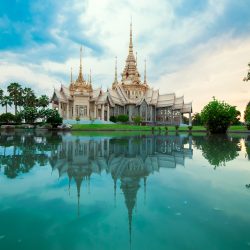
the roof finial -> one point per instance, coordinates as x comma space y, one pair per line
145, 72
131, 42
71, 77
81, 77
136, 58
115, 70
90, 78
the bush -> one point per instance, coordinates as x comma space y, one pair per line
77, 118
54, 118
113, 118
7, 118
218, 116
122, 118
137, 120
29, 114
177, 127
190, 128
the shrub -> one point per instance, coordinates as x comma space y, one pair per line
122, 118
166, 128
217, 116
77, 118
190, 128
137, 120
113, 118
177, 127
7, 118
54, 118
29, 114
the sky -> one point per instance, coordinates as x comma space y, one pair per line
195, 48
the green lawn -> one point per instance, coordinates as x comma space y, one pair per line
124, 127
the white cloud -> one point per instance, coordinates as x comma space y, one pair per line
218, 71
217, 67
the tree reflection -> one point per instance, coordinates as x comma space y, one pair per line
218, 149
19, 153
247, 145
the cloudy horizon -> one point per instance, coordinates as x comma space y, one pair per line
198, 49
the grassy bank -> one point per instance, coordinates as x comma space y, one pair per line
123, 127
134, 128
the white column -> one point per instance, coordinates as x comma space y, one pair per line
108, 112
180, 118
59, 109
94, 111
190, 119
102, 112
67, 111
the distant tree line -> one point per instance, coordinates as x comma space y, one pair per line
27, 106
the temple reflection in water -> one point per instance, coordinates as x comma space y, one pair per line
128, 160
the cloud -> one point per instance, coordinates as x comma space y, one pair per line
181, 41
218, 71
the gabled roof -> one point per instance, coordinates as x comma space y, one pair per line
178, 103
187, 108
166, 100
59, 96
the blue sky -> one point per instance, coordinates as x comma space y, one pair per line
199, 48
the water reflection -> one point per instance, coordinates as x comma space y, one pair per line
128, 160
218, 149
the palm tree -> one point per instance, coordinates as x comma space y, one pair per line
43, 101
15, 92
28, 98
5, 102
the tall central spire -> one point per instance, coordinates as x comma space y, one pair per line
131, 39
80, 76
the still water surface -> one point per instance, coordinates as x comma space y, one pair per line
63, 191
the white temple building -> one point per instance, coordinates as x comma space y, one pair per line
129, 96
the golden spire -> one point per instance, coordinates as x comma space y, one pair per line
131, 40
80, 76
145, 72
90, 78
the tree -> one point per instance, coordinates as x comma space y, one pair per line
236, 121
29, 114
43, 101
196, 119
1, 94
247, 116
247, 78
5, 102
217, 116
53, 117
15, 93
28, 98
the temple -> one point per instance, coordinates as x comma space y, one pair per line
130, 96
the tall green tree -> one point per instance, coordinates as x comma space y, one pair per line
1, 94
28, 98
15, 92
43, 101
5, 102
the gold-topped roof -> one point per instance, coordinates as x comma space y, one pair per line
130, 73
81, 85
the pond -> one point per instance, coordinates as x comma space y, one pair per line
80, 191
